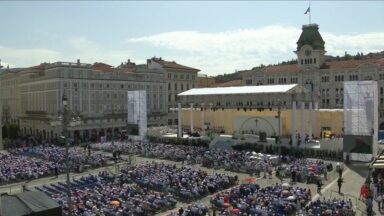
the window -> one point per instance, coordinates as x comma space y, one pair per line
169, 86
381, 90
181, 87
337, 92
301, 61
175, 86
187, 86
122, 86
314, 60
337, 101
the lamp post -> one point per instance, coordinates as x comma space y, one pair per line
278, 124
68, 117
65, 122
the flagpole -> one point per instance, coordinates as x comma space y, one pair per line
310, 12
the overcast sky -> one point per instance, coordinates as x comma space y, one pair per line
215, 37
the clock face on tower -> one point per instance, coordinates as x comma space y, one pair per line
308, 52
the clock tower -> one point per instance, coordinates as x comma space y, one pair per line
310, 47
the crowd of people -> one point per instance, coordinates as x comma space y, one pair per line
79, 158
184, 183
251, 199
14, 168
328, 207
215, 158
304, 170
109, 194
157, 187
154, 150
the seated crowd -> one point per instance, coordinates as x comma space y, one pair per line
77, 157
155, 150
251, 199
238, 161
328, 208
184, 183
15, 168
303, 170
109, 194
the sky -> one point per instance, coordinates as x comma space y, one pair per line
216, 37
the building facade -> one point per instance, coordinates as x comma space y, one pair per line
179, 78
324, 79
97, 93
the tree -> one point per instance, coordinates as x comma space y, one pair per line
12, 131
4, 131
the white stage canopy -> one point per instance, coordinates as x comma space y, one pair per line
240, 90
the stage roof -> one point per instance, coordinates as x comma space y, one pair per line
240, 90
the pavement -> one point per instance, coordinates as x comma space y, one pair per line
353, 175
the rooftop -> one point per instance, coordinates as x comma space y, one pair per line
328, 65
172, 64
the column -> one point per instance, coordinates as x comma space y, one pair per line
202, 119
89, 97
316, 121
191, 120
302, 132
179, 130
310, 121
293, 132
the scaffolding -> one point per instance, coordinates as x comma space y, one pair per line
360, 117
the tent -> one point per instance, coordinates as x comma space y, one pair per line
31, 203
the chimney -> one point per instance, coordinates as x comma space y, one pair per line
78, 61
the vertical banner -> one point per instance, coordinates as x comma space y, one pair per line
360, 118
137, 114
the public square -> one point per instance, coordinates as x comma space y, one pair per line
192, 108
354, 176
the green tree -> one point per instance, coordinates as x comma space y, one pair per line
12, 131
4, 131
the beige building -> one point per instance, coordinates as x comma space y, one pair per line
97, 93
324, 79
179, 78
204, 81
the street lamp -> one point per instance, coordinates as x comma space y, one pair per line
278, 124
68, 119
65, 122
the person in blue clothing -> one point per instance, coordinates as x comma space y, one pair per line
369, 205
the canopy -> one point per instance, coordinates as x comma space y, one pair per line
29, 203
239, 90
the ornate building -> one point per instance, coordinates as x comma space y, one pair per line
31, 97
324, 79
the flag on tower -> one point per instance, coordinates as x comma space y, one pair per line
308, 10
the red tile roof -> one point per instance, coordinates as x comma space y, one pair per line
327, 65
108, 68
230, 83
173, 65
